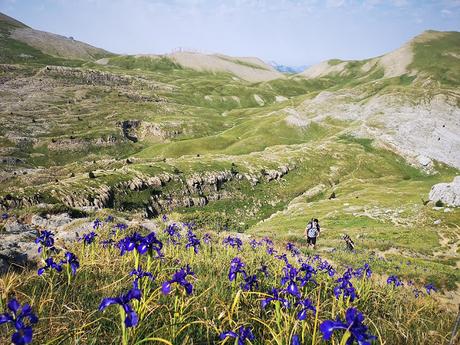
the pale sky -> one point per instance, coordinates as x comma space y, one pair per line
291, 32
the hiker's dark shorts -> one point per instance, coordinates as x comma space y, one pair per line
311, 240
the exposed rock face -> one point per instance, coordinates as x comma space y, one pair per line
128, 127
16, 245
52, 221
94, 77
9, 201
73, 144
197, 189
447, 193
136, 130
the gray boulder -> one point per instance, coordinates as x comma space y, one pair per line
447, 193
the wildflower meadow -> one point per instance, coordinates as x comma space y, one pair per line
181, 285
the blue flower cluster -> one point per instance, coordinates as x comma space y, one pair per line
234, 242
179, 278
353, 324
22, 319
149, 244
45, 240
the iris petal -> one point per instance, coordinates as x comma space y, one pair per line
4, 318
328, 326
166, 288
131, 319
295, 340
108, 301
14, 305
224, 335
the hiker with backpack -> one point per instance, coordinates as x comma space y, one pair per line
312, 231
349, 242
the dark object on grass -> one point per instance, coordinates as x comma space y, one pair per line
349, 242
91, 175
455, 329
439, 203
333, 196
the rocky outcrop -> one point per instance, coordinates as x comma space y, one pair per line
10, 201
75, 144
276, 174
447, 193
128, 128
136, 130
95, 77
197, 189
17, 247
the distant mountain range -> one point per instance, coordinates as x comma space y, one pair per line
288, 69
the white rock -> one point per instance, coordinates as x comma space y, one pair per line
424, 161
447, 193
437, 222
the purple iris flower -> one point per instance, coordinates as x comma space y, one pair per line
275, 297
309, 271
71, 260
254, 244
97, 224
306, 305
49, 264
193, 241
124, 300
345, 287
244, 333
179, 278
283, 257
89, 238
121, 226
5, 216
233, 242
353, 323
236, 266
394, 280
290, 277
164, 218
129, 243
207, 238
417, 293
250, 283
267, 241
18, 319
366, 269
150, 244
325, 266
271, 251
46, 240
109, 219
295, 340
107, 243
293, 249
430, 287
139, 273
173, 232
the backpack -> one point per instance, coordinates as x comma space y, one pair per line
311, 230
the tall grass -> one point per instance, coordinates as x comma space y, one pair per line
69, 313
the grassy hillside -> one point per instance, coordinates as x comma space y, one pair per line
142, 137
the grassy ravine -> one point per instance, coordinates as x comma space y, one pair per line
69, 313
